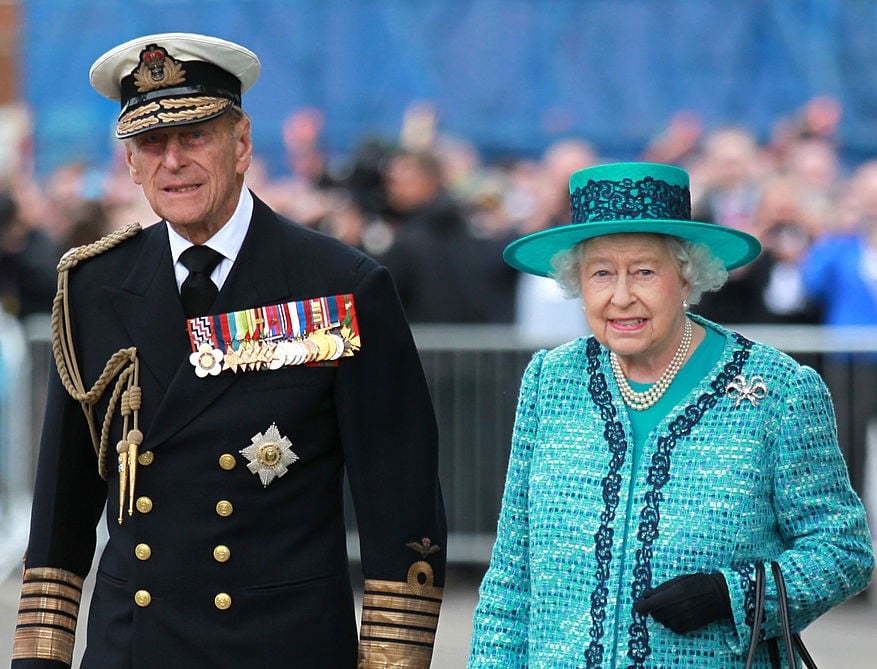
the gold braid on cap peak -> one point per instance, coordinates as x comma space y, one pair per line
169, 111
399, 620
123, 364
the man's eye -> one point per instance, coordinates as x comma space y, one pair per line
194, 138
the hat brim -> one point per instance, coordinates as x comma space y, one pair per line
533, 253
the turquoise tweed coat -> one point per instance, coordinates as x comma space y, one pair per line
726, 479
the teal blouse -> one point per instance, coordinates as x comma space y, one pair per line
696, 367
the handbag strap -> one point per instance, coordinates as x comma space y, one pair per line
759, 615
792, 643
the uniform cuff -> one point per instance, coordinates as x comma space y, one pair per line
47, 615
399, 620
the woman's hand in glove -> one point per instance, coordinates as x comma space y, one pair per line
687, 602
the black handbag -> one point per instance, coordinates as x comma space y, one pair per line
792, 643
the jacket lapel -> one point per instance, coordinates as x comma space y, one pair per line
149, 308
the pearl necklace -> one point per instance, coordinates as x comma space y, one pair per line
645, 400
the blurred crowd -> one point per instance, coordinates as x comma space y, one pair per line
438, 214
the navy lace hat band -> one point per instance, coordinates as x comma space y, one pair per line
648, 198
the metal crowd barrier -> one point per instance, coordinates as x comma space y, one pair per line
21, 397
474, 374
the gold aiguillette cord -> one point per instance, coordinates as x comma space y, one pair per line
122, 364
128, 448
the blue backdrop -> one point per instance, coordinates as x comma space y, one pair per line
509, 74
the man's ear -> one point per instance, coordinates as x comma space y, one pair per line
132, 169
243, 145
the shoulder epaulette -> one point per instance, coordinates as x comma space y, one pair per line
79, 253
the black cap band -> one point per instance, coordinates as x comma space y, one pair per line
200, 77
179, 91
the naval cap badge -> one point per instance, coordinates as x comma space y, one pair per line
157, 69
269, 454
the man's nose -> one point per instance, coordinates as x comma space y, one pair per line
174, 154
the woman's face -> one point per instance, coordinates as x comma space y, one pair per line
633, 294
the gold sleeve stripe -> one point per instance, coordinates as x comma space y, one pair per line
401, 634
53, 574
47, 615
48, 589
384, 617
43, 644
401, 604
377, 655
60, 621
51, 603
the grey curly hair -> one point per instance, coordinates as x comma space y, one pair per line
698, 267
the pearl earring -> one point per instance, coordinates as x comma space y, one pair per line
684, 305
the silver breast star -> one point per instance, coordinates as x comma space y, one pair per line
269, 454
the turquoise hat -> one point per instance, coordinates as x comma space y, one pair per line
629, 198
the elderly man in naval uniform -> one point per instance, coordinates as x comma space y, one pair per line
218, 373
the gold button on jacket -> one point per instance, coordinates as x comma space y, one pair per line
227, 461
222, 601
224, 508
146, 458
143, 551
144, 504
221, 553
142, 598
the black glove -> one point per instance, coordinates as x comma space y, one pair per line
687, 602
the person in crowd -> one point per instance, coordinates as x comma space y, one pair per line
771, 288
543, 313
28, 258
656, 461
817, 119
839, 273
444, 273
814, 162
89, 221
730, 168
218, 373
677, 142
729, 176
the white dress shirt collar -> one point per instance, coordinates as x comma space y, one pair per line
227, 241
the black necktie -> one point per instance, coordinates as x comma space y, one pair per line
198, 292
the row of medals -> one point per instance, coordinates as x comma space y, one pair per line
319, 346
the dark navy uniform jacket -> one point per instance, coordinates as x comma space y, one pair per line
214, 569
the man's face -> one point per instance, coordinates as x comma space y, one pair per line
192, 174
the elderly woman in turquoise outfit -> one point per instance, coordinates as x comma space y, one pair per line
654, 463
